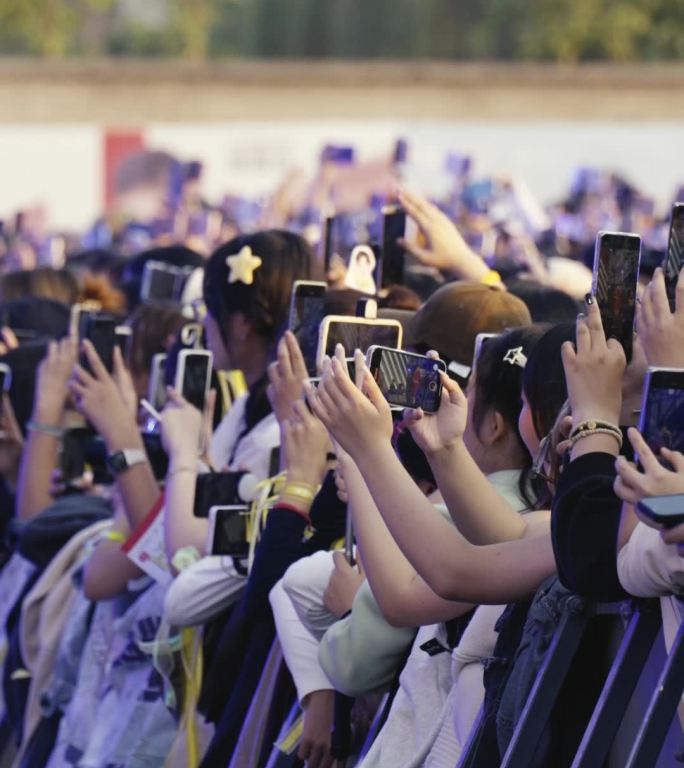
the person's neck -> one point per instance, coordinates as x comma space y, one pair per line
254, 367
500, 461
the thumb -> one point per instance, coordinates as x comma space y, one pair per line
372, 390
339, 560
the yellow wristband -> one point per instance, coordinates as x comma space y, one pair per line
115, 536
491, 278
298, 491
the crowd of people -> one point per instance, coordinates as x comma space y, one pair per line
398, 572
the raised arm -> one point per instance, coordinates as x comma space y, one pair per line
41, 449
450, 565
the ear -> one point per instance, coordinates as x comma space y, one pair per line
493, 428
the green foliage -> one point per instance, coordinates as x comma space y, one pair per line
539, 30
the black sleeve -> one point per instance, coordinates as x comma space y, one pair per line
584, 527
283, 542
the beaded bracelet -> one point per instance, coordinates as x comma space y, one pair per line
595, 424
598, 431
45, 429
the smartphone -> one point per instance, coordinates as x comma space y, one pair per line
228, 531
157, 456
662, 410
674, 256
405, 379
356, 333
123, 340
393, 254
325, 247
100, 330
227, 488
156, 390
480, 341
307, 309
163, 282
5, 378
667, 511
614, 285
193, 376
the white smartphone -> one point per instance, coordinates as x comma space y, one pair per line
356, 333
480, 340
193, 376
156, 390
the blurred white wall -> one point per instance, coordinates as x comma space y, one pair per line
62, 166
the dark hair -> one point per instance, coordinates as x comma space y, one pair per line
285, 257
174, 255
544, 378
152, 324
498, 386
546, 305
42, 283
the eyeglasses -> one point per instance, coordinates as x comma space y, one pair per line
541, 459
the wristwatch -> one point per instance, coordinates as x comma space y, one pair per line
120, 461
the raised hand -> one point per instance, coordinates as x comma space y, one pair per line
357, 420
633, 484
438, 432
445, 247
181, 429
286, 377
100, 400
593, 370
661, 331
52, 381
306, 445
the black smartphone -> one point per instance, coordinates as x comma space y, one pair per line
163, 282
158, 458
616, 273
667, 511
393, 254
674, 256
662, 410
356, 333
193, 376
100, 330
405, 379
228, 531
81, 449
325, 246
307, 310
223, 488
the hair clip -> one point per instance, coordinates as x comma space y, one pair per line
515, 356
242, 266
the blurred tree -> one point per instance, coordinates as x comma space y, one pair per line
47, 27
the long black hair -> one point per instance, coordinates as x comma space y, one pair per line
498, 386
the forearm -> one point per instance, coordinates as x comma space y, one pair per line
181, 527
38, 461
403, 597
451, 566
137, 485
480, 513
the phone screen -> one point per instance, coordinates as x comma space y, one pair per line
662, 417
196, 372
100, 330
360, 336
674, 256
393, 228
162, 282
306, 313
230, 531
157, 390
407, 380
616, 271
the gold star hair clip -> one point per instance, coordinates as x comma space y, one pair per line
242, 266
515, 356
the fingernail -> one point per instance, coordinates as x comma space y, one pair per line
580, 316
589, 299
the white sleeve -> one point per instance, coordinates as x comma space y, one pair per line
202, 591
300, 647
305, 583
647, 567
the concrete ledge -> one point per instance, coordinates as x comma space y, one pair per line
135, 91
